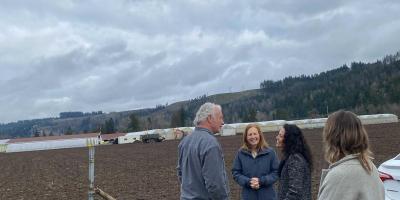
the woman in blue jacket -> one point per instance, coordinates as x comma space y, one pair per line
255, 167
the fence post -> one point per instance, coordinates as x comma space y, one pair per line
91, 143
3, 148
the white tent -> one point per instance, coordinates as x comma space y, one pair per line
170, 134
186, 130
269, 126
136, 133
49, 144
4, 141
309, 123
318, 122
240, 127
131, 137
378, 119
228, 130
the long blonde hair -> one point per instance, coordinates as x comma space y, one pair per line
344, 135
261, 143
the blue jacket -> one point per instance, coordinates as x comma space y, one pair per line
201, 167
264, 166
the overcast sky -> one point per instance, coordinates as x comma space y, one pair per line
75, 55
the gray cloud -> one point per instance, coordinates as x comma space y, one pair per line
71, 55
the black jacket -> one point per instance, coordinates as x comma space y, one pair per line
295, 179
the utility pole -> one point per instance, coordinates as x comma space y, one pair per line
91, 143
327, 110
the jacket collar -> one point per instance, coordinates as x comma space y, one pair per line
347, 158
262, 151
203, 129
344, 159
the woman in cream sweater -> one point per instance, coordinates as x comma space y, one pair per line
351, 173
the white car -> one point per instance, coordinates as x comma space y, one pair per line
389, 172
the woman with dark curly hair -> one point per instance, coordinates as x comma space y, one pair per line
296, 165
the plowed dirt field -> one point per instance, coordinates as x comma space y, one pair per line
142, 171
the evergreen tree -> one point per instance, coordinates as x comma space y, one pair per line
69, 131
134, 124
249, 115
149, 123
108, 127
178, 118
182, 116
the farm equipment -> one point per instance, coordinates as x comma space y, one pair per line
141, 137
153, 137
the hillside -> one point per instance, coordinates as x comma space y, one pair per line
365, 88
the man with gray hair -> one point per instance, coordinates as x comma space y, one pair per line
201, 166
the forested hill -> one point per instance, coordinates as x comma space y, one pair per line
365, 88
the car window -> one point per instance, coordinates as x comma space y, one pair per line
397, 157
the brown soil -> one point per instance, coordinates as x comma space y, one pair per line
142, 171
